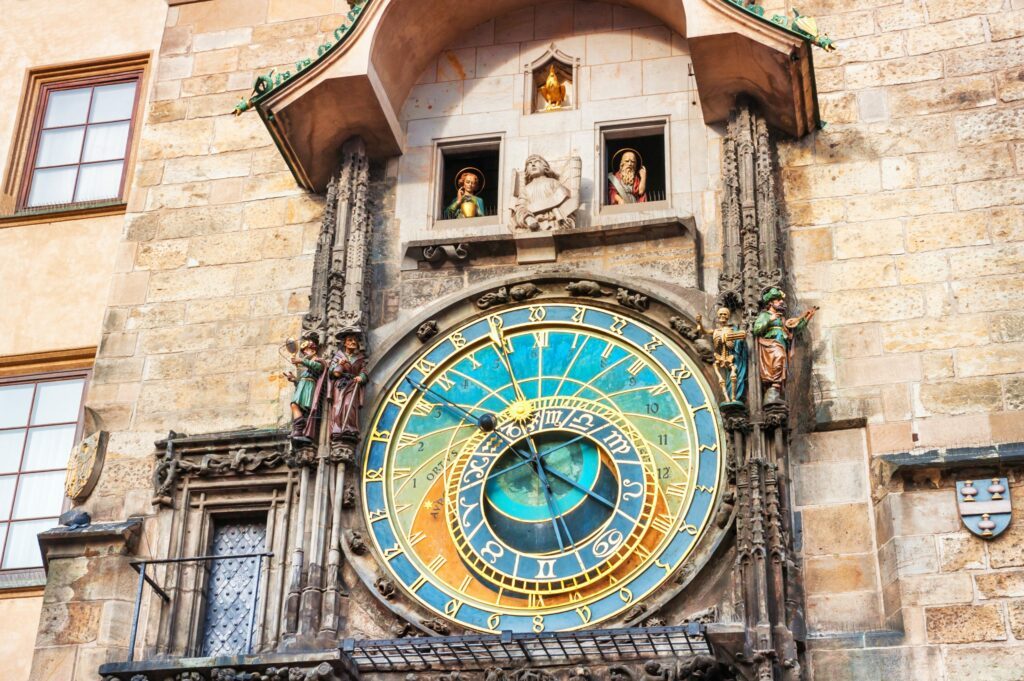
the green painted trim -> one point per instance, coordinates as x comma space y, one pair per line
785, 23
266, 85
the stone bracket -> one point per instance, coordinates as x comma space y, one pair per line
542, 247
994, 457
67, 542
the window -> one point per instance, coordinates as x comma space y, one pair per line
39, 423
634, 163
81, 141
470, 176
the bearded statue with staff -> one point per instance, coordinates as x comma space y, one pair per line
348, 379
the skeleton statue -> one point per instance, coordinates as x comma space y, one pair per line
546, 200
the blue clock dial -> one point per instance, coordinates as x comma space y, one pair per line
541, 468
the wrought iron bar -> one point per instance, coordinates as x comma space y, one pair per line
140, 566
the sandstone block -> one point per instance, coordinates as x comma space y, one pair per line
219, 309
826, 181
159, 367
899, 17
942, 36
917, 555
989, 294
943, 10
666, 75
456, 65
836, 574
984, 58
195, 221
514, 27
835, 445
167, 110
961, 551
862, 272
1001, 663
896, 402
830, 483
1006, 358
868, 305
650, 42
129, 288
907, 662
216, 40
936, 589
907, 202
862, 371
117, 370
1016, 611
176, 40
852, 611
268, 275
211, 167
811, 245
1000, 584
916, 335
1009, 426
856, 341
890, 437
68, 623
993, 125
222, 15
894, 72
1006, 25
174, 68
269, 186
165, 254
964, 624
489, 94
188, 284
53, 663
927, 512
977, 163
611, 81
176, 138
953, 431
178, 196
922, 268
236, 133
842, 528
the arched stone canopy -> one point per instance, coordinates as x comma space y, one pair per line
361, 85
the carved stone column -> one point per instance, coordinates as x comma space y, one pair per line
338, 302
768, 587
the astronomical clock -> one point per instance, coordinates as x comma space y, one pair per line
541, 466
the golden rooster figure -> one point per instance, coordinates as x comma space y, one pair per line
552, 91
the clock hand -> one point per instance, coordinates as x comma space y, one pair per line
498, 340
486, 422
546, 452
552, 504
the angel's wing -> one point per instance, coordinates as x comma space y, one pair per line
570, 172
516, 182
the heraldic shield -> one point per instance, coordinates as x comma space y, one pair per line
984, 506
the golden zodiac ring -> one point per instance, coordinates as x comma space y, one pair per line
476, 171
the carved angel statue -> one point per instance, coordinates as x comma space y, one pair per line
546, 200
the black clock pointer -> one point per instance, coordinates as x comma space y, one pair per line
547, 452
485, 422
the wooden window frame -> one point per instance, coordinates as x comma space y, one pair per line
38, 84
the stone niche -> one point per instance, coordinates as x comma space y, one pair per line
551, 82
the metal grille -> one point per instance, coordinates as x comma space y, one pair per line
232, 593
508, 649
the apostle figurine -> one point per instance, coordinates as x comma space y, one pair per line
348, 381
628, 184
546, 200
731, 356
775, 334
467, 204
308, 389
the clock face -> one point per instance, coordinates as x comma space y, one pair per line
541, 468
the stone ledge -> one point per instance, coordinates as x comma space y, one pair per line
158, 670
994, 456
67, 542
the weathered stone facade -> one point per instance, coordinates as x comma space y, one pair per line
902, 218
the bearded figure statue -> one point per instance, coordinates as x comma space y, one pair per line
546, 200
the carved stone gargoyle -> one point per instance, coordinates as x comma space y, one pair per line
544, 200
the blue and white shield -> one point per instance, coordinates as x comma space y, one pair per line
984, 506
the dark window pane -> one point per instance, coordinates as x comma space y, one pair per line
67, 107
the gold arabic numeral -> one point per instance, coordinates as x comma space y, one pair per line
636, 367
399, 398
540, 339
680, 375
662, 523
423, 407
676, 489
473, 361
710, 448
606, 353
537, 313
626, 595
538, 623
424, 366
445, 382
705, 488
652, 345
535, 600
703, 406
458, 340
578, 314
416, 537
618, 324
380, 435
395, 550
664, 566
375, 475
689, 529
584, 613
493, 621
659, 389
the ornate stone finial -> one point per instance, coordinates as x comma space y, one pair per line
546, 200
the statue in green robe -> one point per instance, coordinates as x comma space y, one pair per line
775, 334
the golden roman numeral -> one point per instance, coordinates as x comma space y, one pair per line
379, 514
437, 563
662, 523
606, 353
540, 339
416, 537
472, 361
643, 552
395, 550
536, 600
423, 407
445, 382
636, 367
407, 440
659, 389
399, 473
676, 489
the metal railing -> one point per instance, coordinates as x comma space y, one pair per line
140, 566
